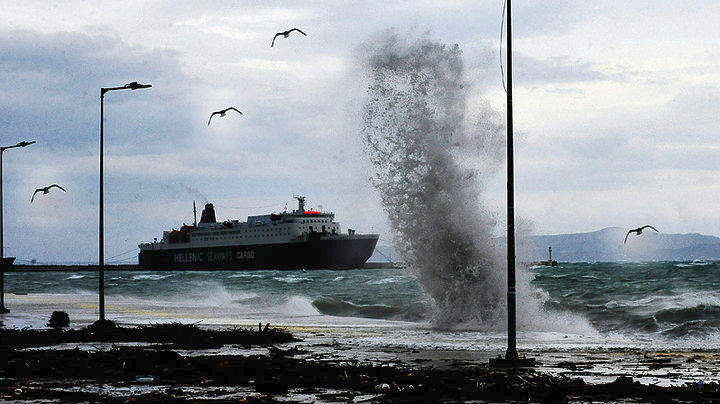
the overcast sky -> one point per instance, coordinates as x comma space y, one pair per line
616, 113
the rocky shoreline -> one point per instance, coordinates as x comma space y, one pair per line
183, 363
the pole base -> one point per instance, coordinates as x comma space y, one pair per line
4, 310
504, 363
103, 324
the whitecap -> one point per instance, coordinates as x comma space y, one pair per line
246, 275
685, 299
695, 263
290, 279
150, 277
394, 279
298, 305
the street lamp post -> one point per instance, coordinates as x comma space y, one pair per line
101, 259
4, 309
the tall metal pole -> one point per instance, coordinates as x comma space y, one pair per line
511, 353
3, 309
101, 238
2, 245
5, 264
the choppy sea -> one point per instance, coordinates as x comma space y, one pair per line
645, 304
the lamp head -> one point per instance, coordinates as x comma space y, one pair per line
135, 85
23, 144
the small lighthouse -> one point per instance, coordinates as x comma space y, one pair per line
549, 262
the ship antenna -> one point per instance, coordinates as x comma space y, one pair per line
195, 213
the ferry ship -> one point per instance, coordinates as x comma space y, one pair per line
306, 239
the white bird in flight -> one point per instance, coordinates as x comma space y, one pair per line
639, 231
45, 190
222, 112
285, 34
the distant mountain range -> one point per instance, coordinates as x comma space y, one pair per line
607, 245
604, 245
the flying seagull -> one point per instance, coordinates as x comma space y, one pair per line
639, 231
222, 113
45, 190
285, 34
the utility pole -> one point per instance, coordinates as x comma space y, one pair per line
511, 359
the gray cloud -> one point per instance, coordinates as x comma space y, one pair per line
529, 71
52, 83
160, 154
302, 101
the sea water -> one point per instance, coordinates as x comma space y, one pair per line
646, 305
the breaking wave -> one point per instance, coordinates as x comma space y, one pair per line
660, 302
432, 157
337, 307
417, 134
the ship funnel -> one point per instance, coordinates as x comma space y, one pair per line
301, 204
208, 214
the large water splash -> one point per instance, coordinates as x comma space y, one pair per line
431, 157
419, 136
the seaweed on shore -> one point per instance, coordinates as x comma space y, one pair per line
177, 335
194, 377
74, 374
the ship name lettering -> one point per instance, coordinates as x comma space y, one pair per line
188, 257
245, 255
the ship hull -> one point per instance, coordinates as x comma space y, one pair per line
320, 253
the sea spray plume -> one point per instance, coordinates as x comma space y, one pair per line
417, 136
